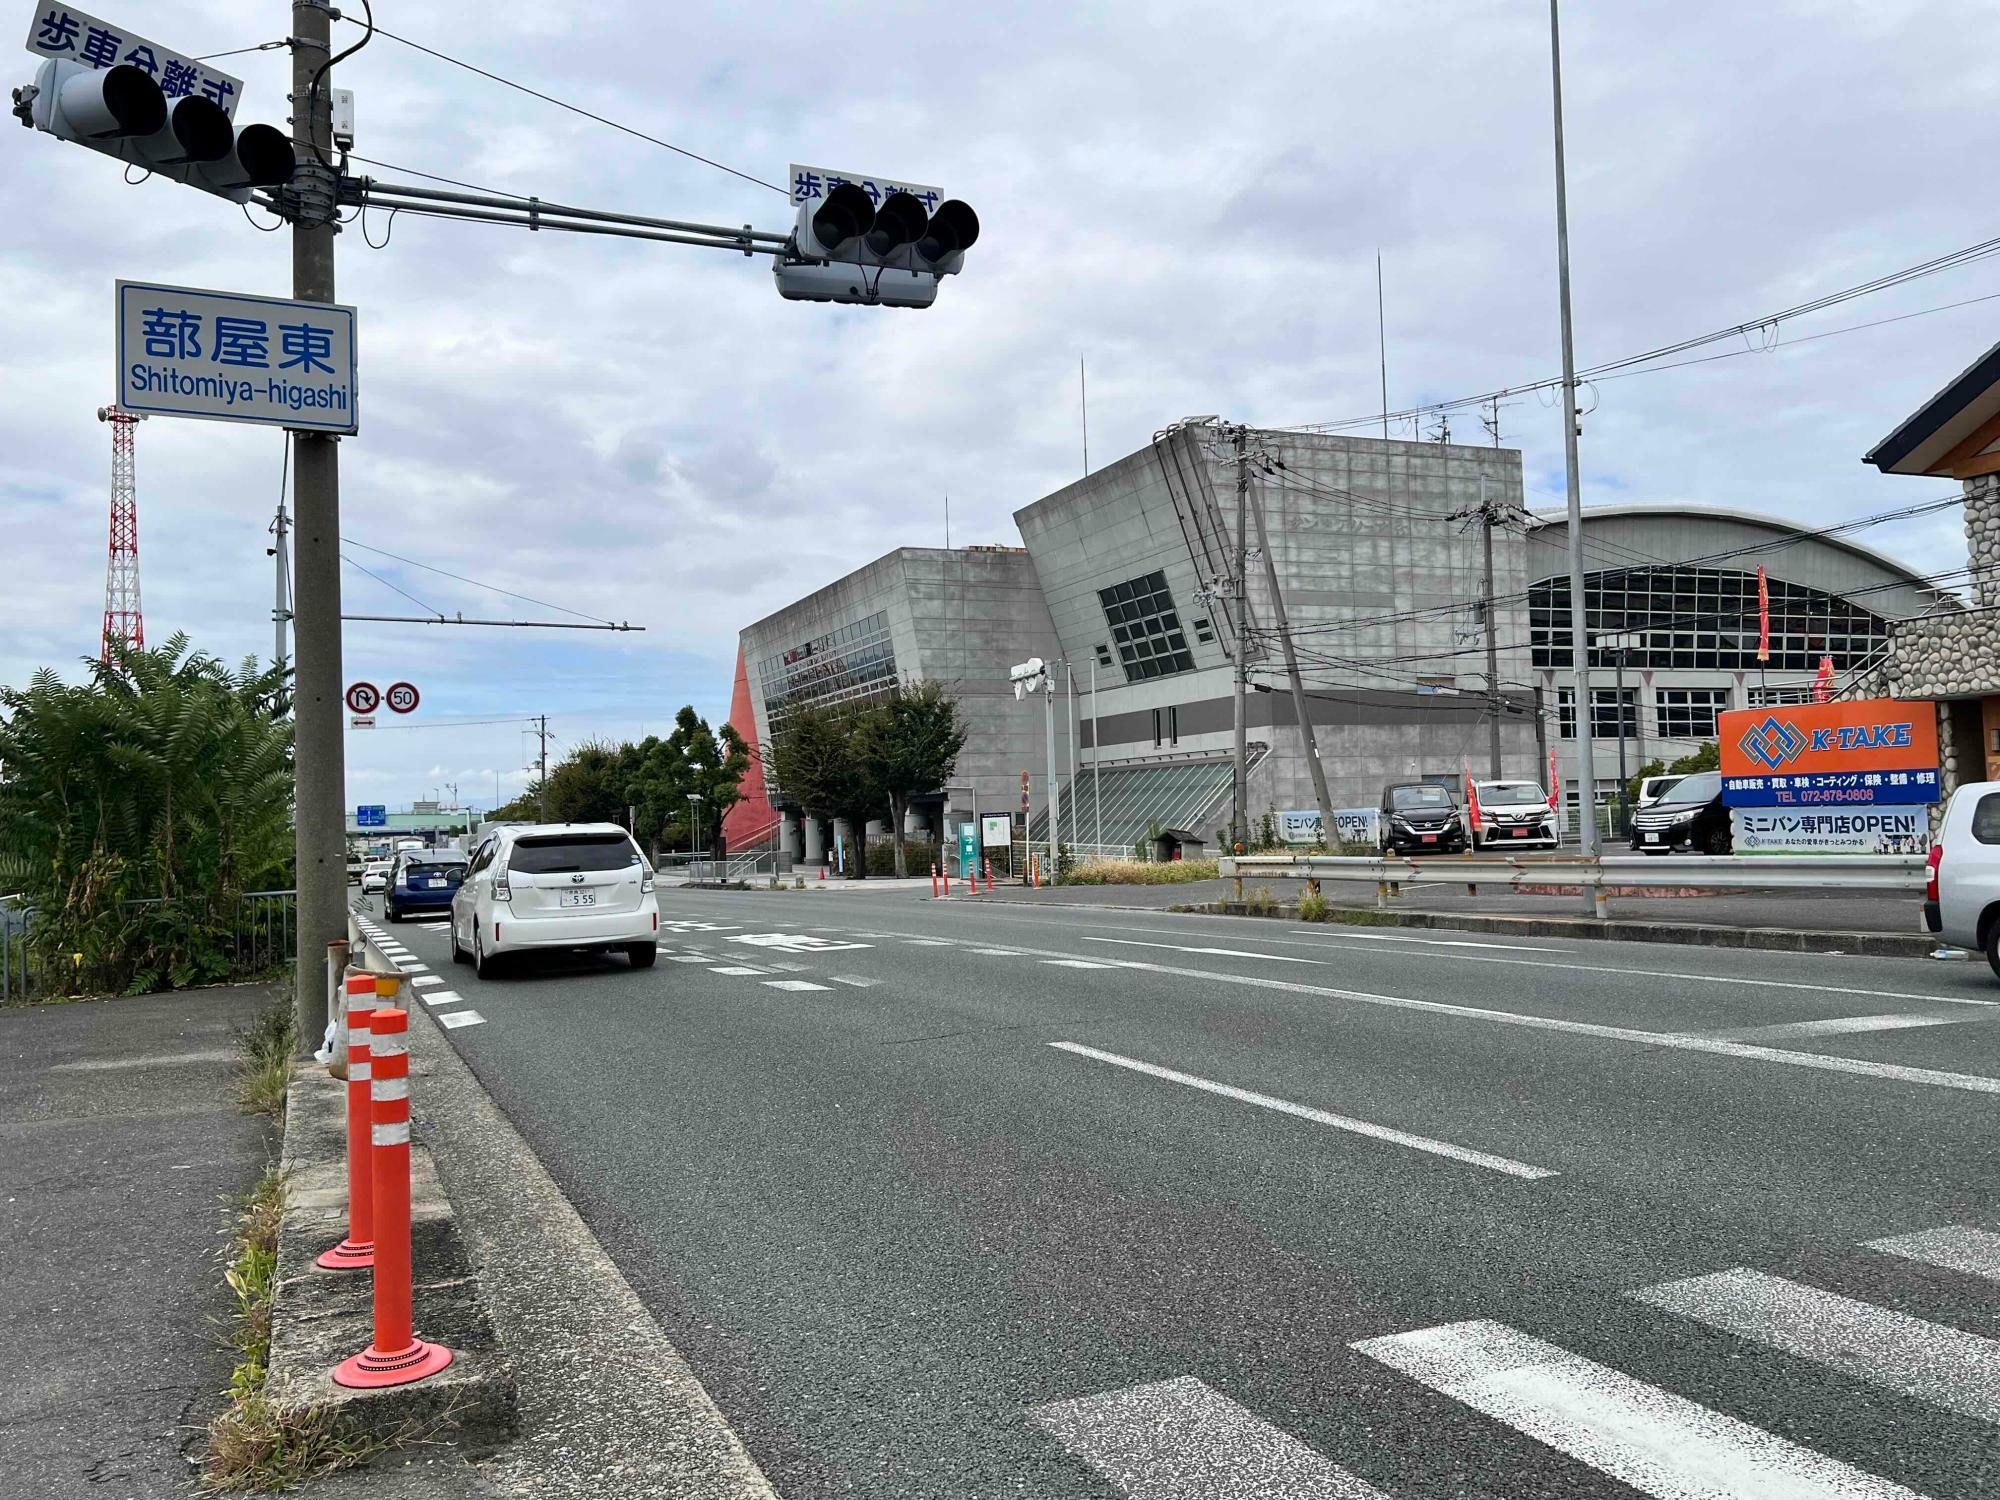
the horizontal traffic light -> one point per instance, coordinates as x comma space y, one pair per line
122, 112
849, 247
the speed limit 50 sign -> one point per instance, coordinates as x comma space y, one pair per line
401, 696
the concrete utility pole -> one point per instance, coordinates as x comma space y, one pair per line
281, 607
1055, 784
1486, 520
1282, 619
542, 764
1579, 638
320, 782
1096, 755
1239, 818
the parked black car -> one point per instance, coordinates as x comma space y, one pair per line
1691, 818
1421, 817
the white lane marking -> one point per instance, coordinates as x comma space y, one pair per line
1835, 1026
737, 969
1956, 1247
1076, 963
432, 926
997, 952
929, 942
794, 942
1318, 1116
1932, 1077
784, 968
453, 1019
693, 958
423, 979
1658, 1443
1383, 937
1947, 1367
414, 966
443, 997
1181, 1440
792, 984
1276, 958
858, 981
1580, 968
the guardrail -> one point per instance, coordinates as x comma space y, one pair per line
1594, 877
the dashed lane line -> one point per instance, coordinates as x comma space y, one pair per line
857, 981
792, 984
453, 1019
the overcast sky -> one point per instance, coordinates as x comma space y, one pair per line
1189, 197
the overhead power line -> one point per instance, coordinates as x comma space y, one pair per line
576, 109
1766, 327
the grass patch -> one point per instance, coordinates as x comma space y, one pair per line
1312, 907
268, 1045
1139, 872
1260, 902
260, 1442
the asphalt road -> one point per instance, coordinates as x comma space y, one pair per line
964, 1201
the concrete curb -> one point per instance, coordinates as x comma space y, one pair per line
319, 1318
1611, 930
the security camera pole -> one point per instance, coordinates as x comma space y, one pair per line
320, 815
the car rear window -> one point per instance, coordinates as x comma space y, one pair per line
570, 852
1986, 819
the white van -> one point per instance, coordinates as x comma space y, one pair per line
555, 886
1962, 892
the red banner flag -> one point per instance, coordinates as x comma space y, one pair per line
1473, 819
1763, 615
1555, 780
1823, 681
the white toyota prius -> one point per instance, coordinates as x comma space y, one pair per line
554, 886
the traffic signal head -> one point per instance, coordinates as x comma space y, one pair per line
848, 248
122, 112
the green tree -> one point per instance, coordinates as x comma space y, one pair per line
1704, 757
819, 758
137, 807
603, 782
910, 742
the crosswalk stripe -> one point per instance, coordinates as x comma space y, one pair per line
792, 984
1658, 1443
1317, 1116
1182, 1440
856, 980
737, 969
1947, 1367
1957, 1247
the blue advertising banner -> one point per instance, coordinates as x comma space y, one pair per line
1831, 789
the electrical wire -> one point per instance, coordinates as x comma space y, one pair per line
474, 582
312, 92
575, 109
1949, 261
427, 609
239, 51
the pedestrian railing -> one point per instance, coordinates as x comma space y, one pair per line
1684, 874
263, 938
16, 976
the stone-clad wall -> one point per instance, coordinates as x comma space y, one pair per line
1958, 655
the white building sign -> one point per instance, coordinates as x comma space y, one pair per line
810, 183
1860, 830
71, 35
183, 352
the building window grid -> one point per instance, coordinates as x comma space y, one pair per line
1604, 713
854, 661
1702, 619
1146, 628
1689, 713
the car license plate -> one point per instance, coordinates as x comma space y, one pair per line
1520, 833
1652, 838
433, 885
578, 898
1430, 838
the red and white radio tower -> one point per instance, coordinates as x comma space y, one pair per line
122, 619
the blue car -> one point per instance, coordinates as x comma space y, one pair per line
422, 881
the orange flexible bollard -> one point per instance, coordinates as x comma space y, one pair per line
934, 889
989, 876
357, 1251
397, 1356
947, 877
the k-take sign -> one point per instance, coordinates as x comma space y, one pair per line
1877, 750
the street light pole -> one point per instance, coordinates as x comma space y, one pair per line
1586, 759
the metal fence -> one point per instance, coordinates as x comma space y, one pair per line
264, 938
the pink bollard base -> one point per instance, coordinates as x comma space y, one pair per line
372, 1369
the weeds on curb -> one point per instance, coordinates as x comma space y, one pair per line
1260, 902
1137, 872
1312, 907
268, 1044
262, 1442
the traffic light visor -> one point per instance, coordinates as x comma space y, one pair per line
117, 102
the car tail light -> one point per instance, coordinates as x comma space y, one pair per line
1931, 864
501, 890
645, 879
